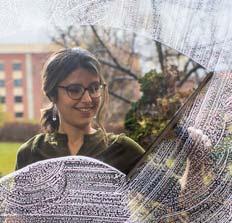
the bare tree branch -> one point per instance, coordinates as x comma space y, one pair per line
116, 95
72, 37
186, 65
194, 69
56, 41
120, 97
104, 45
120, 78
61, 40
120, 68
118, 65
132, 52
160, 54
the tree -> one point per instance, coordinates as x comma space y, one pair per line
123, 56
160, 100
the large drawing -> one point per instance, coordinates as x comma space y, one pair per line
186, 175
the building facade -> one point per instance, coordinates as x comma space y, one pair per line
21, 97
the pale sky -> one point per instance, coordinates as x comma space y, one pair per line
172, 23
28, 21
24, 21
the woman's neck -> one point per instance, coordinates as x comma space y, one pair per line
75, 136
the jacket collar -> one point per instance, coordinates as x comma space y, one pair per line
56, 144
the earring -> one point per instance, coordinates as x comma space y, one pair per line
54, 113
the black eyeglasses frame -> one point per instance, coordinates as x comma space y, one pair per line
66, 88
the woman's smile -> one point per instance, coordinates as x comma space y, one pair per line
85, 110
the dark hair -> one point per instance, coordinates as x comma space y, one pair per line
57, 68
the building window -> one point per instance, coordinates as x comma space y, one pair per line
2, 83
18, 99
16, 66
18, 82
2, 99
18, 114
1, 67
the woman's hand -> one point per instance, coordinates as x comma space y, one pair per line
199, 163
198, 172
199, 137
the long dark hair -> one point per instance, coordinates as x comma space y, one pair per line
57, 68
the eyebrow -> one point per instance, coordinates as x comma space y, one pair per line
95, 82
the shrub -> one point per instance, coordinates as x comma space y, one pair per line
159, 102
18, 132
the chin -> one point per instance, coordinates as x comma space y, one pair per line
82, 125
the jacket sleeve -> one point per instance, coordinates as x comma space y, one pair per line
20, 159
134, 147
123, 153
24, 154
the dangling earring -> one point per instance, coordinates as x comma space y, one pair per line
54, 113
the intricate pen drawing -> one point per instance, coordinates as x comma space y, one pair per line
187, 177
77, 187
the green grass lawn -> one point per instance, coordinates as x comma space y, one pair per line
8, 157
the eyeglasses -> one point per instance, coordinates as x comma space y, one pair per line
76, 91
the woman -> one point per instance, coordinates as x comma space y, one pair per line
73, 83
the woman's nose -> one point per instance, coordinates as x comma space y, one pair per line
86, 97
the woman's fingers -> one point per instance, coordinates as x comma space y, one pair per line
199, 137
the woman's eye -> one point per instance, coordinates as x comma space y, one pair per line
75, 89
94, 88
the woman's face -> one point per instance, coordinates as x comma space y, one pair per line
78, 113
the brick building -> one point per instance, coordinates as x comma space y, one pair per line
20, 79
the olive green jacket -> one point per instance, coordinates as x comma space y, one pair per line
122, 153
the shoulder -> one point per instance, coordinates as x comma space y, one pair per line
25, 150
31, 143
